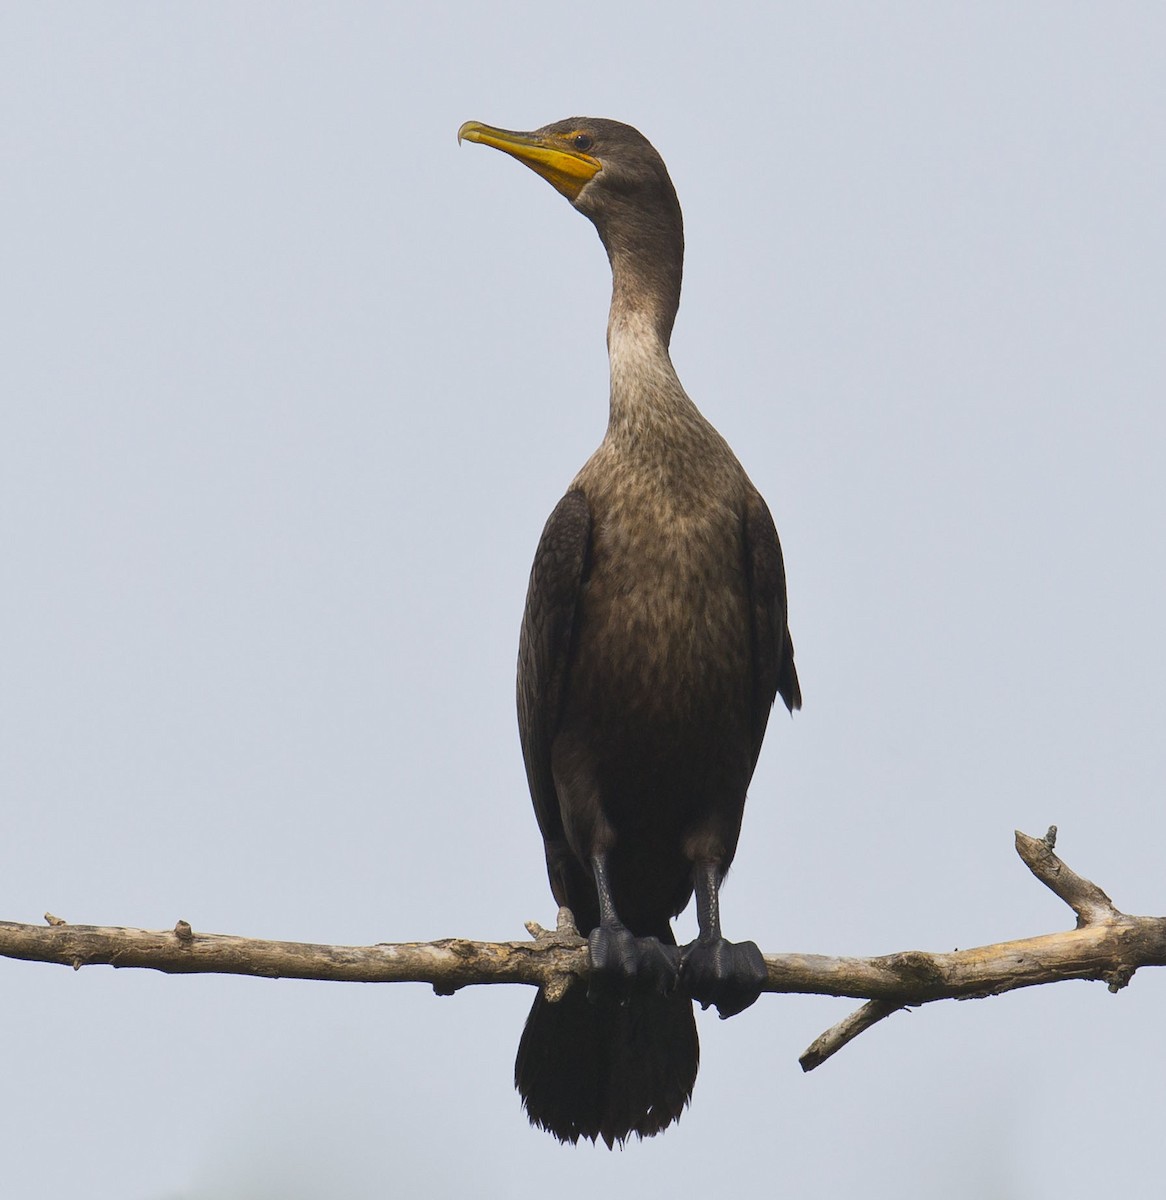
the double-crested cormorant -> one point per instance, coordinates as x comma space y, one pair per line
653, 644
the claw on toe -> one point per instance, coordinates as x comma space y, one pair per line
727, 974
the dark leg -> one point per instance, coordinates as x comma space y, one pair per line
620, 961
712, 970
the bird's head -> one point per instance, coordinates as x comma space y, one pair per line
609, 171
612, 174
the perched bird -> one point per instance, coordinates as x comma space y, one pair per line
653, 644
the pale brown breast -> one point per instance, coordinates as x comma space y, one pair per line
664, 626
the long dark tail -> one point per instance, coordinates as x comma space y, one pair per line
607, 1070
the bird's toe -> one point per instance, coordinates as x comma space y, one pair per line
727, 974
622, 963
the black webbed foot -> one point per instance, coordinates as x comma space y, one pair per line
622, 963
727, 974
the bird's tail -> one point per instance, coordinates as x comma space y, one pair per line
607, 1070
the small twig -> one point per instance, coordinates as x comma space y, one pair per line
837, 1036
564, 935
1086, 899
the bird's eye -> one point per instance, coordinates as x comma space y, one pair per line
582, 141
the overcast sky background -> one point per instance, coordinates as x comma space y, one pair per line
290, 383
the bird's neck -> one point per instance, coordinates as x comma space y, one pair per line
646, 394
646, 250
645, 282
645, 289
641, 367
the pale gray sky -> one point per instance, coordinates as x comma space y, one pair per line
290, 383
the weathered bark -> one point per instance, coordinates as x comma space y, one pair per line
1107, 945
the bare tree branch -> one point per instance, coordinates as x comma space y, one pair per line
1107, 944
447, 965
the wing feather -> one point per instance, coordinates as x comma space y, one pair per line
773, 652
544, 655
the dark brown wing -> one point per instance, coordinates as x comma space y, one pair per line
773, 652
544, 650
